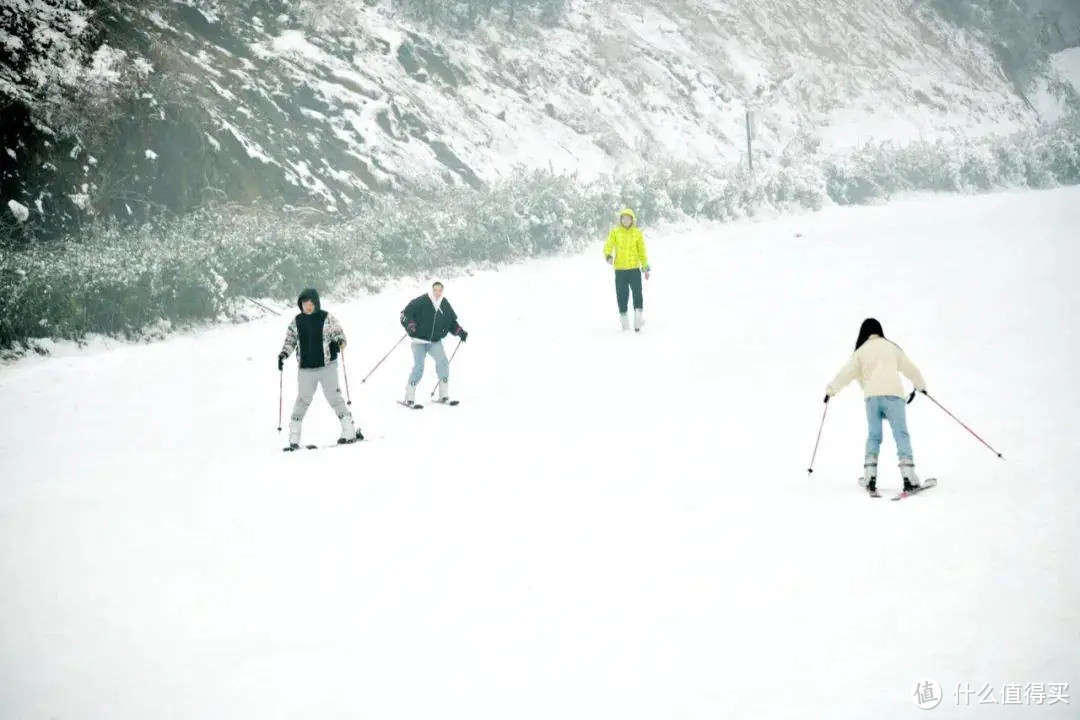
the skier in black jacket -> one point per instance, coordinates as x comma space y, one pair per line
427, 319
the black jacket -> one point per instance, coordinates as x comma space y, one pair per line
431, 324
317, 336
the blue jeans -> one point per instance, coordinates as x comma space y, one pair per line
887, 407
420, 352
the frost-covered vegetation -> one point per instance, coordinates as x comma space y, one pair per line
164, 161
203, 266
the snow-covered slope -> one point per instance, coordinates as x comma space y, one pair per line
609, 525
317, 104
1067, 64
1063, 18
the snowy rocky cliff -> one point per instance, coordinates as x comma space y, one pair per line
131, 110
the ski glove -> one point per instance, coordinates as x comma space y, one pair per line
462, 334
409, 325
609, 259
911, 397
826, 397
281, 361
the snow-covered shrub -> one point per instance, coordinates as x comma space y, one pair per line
1035, 158
194, 268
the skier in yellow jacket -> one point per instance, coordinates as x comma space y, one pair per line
625, 250
877, 364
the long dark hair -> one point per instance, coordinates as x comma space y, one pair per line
869, 327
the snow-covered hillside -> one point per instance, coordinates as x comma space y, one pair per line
314, 104
610, 525
1063, 18
1067, 64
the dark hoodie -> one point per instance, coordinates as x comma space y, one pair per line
309, 330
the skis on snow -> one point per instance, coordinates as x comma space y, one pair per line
926, 485
310, 446
290, 448
417, 406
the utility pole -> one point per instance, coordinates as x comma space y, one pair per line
749, 140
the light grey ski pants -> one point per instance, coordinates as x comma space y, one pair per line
309, 380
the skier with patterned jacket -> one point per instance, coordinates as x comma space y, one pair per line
317, 337
428, 319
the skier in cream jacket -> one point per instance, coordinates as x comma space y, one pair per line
877, 364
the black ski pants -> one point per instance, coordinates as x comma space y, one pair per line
625, 282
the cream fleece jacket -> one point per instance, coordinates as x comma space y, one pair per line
877, 366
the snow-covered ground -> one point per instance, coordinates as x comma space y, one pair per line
610, 525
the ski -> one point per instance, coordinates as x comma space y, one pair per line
309, 446
414, 406
873, 493
451, 403
354, 442
927, 484
328, 446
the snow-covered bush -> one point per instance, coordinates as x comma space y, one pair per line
1036, 158
195, 268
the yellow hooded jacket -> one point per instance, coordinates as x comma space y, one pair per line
627, 245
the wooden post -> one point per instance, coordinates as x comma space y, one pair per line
749, 143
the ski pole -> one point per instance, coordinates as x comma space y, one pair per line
810, 470
436, 388
345, 369
281, 389
256, 302
383, 359
962, 424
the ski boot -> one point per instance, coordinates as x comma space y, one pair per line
869, 472
911, 479
347, 440
869, 476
